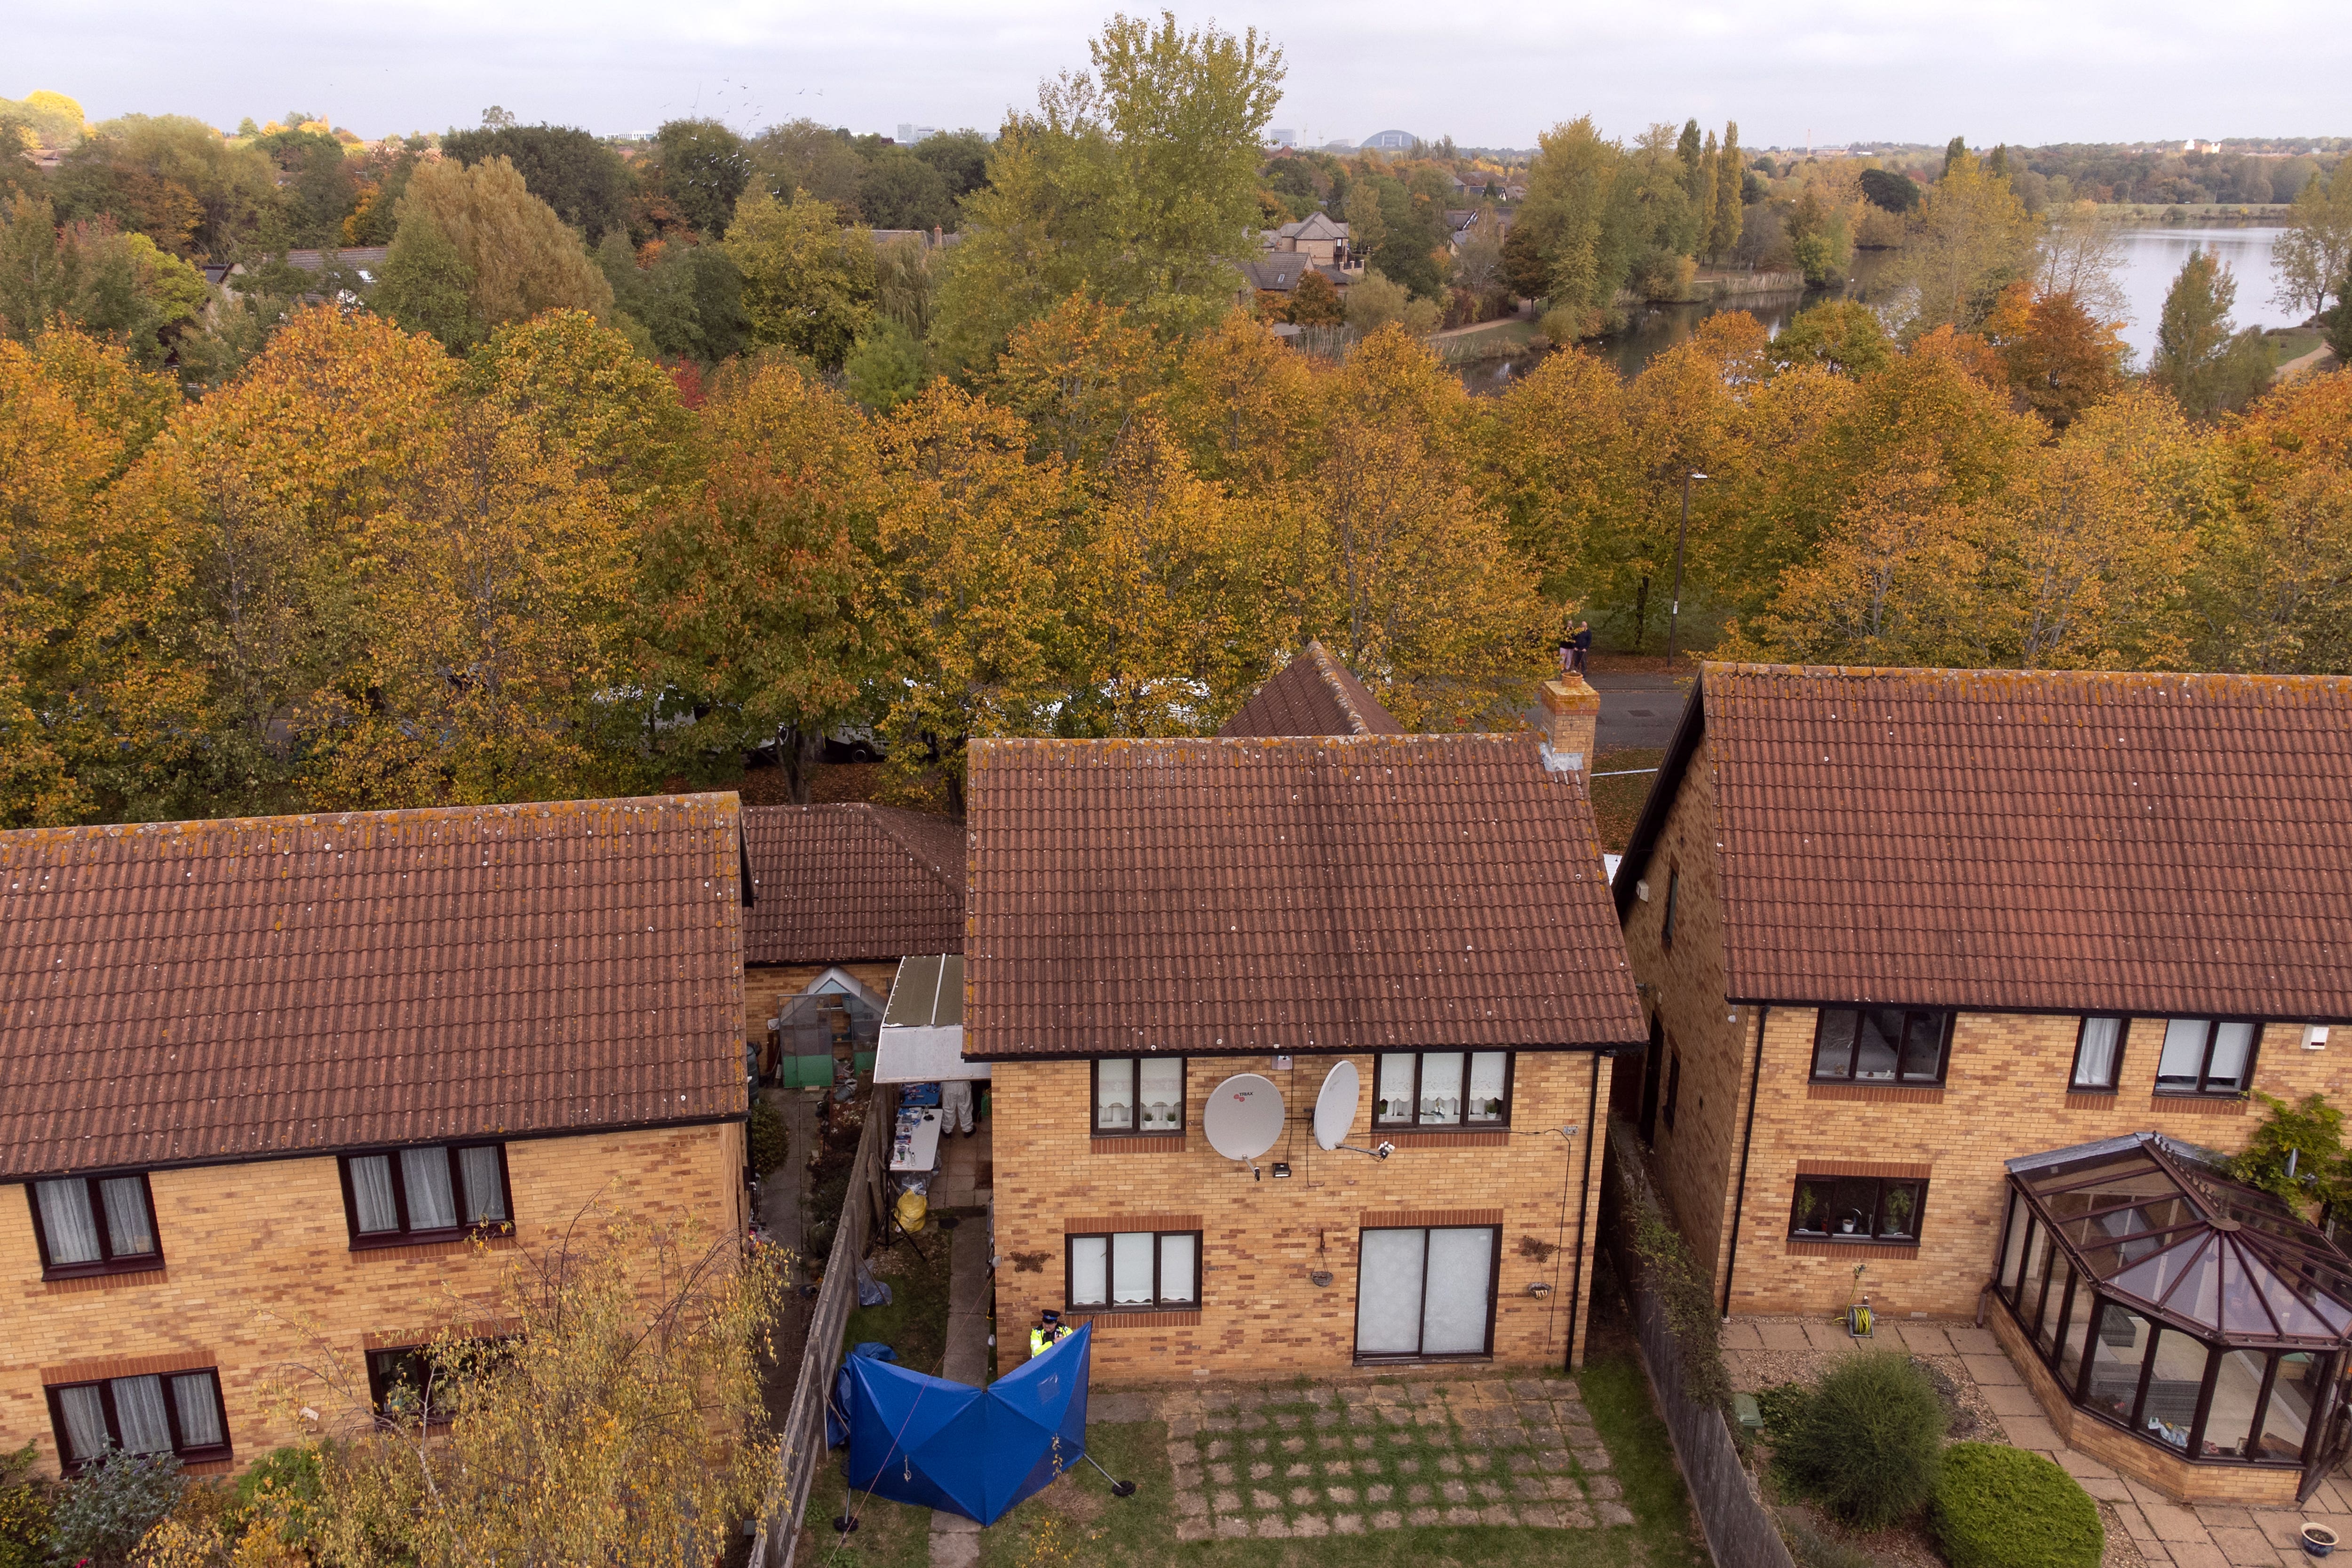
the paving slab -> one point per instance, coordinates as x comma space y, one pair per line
1969, 1339
2009, 1398
1784, 1336
1991, 1370
2244, 1547
1741, 1335
2173, 1524
1922, 1339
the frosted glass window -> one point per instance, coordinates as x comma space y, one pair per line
2202, 1056
371, 1194
1394, 1103
199, 1408
425, 1175
129, 1231
2095, 1056
1461, 1273
2184, 1053
67, 1222
1179, 1268
1115, 1094
84, 1410
1441, 1088
1388, 1292
139, 1412
486, 1194
1130, 1268
1090, 1271
1160, 1096
1490, 1073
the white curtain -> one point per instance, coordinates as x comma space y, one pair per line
1388, 1292
138, 1411
372, 1194
1130, 1268
1178, 1267
1441, 1087
1395, 1099
1090, 1271
1162, 1094
85, 1414
1115, 1093
72, 1229
128, 1224
199, 1407
1461, 1270
486, 1198
425, 1175
2095, 1065
1488, 1072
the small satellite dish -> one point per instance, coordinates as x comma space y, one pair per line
1335, 1106
1244, 1116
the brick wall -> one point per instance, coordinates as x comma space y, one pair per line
1260, 1311
259, 1259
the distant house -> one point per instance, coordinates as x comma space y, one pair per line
1318, 236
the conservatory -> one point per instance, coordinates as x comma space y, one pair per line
2176, 1323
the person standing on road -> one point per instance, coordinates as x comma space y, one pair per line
1581, 647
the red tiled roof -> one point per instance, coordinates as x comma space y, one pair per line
1314, 694
849, 881
195, 992
2148, 844
1310, 894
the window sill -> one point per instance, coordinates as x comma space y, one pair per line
1815, 1246
1444, 1137
2200, 1104
57, 1281
445, 1247
1474, 1357
1138, 1143
1109, 1319
1878, 1093
2090, 1100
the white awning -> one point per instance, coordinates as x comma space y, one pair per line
922, 1031
924, 1056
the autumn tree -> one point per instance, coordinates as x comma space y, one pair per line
2060, 360
477, 232
2200, 357
1843, 335
809, 284
2313, 257
2270, 585
1316, 301
1972, 238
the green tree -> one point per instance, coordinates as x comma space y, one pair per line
886, 366
1843, 335
1575, 212
428, 285
1693, 153
1524, 270
803, 155
2297, 1154
513, 256
1955, 154
898, 190
704, 167
1723, 226
809, 284
570, 170
171, 178
960, 156
2313, 257
1972, 240
1891, 190
2200, 357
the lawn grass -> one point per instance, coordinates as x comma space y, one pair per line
1617, 803
1618, 1394
915, 1323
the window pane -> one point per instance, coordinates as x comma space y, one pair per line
2230, 1421
2046, 1335
2116, 1351
1854, 1206
1130, 1268
1090, 1271
1177, 1267
85, 1414
485, 1196
1461, 1268
1876, 1039
372, 1194
1388, 1292
138, 1411
1489, 1070
1898, 1211
2293, 1398
2077, 1334
128, 1226
1115, 1094
2094, 1062
1441, 1087
2179, 1370
1923, 1046
1812, 1216
2037, 1265
424, 1174
2012, 1260
66, 1221
1395, 1100
200, 1417
1162, 1095
1833, 1048
2233, 1048
2184, 1053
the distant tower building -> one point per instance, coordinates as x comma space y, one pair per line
1280, 138
1391, 140
909, 133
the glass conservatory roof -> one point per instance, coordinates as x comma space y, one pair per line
2158, 1224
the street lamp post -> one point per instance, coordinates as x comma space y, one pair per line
1675, 614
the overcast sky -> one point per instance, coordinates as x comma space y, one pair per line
1485, 73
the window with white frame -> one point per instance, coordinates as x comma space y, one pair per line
1134, 1270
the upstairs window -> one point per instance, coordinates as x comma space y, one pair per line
441, 1193
2206, 1056
1858, 1209
1666, 920
1443, 1088
176, 1413
1138, 1095
95, 1225
2099, 1055
1881, 1045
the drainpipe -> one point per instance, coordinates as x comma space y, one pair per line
1583, 1202
1747, 1141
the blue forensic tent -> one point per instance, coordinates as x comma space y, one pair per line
972, 1451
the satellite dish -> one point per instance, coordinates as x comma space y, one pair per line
1335, 1106
1244, 1116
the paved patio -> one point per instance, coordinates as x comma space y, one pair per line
1766, 1351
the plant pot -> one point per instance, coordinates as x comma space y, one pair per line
2318, 1541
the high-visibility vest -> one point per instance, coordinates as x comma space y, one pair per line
1038, 1342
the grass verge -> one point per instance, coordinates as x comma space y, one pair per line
1618, 1395
1617, 803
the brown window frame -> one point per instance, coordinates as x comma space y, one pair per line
1494, 1299
2246, 1087
1157, 1302
109, 1260
1948, 1025
1464, 1124
1094, 1097
406, 1236
1874, 1237
2075, 1083
1666, 917
1674, 1094
185, 1454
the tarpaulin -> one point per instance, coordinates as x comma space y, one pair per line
972, 1451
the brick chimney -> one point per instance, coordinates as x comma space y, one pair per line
1572, 712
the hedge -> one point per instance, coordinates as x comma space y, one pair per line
1866, 1443
1998, 1507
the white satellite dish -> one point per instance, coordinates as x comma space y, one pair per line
1244, 1116
1335, 1106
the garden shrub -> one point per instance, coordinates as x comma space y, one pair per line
1998, 1507
1782, 1405
1814, 1548
767, 1140
102, 1513
24, 1511
1866, 1443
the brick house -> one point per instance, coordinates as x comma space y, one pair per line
272, 1078
844, 891
1154, 918
1909, 939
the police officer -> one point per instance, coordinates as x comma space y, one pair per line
1050, 1331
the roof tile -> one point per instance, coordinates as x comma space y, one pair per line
838, 883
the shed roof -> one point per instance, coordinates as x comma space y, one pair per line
200, 992
843, 882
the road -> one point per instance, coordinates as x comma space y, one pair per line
1638, 709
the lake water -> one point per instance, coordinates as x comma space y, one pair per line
2153, 256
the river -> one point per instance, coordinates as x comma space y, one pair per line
2152, 259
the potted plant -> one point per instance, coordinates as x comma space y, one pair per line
2318, 1540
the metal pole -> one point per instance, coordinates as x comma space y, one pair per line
1675, 614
